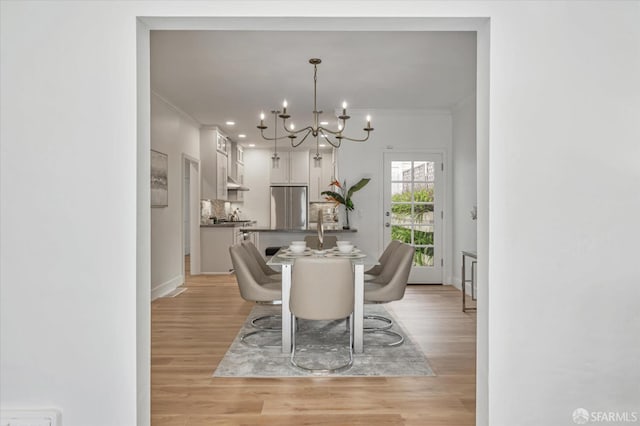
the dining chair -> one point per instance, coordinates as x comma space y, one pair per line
254, 287
322, 289
389, 286
384, 257
313, 242
262, 278
251, 248
375, 272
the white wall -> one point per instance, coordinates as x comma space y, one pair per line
394, 130
562, 295
173, 133
464, 184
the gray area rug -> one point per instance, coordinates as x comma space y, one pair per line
320, 344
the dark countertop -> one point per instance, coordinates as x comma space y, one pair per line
312, 230
240, 223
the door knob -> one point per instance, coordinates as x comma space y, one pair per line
387, 224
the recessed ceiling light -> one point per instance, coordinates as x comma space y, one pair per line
242, 136
322, 145
230, 123
324, 123
251, 145
323, 136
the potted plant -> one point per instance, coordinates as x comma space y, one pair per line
344, 196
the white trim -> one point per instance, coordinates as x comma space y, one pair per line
167, 287
480, 24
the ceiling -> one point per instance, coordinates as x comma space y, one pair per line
218, 76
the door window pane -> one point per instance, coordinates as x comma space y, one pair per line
423, 256
401, 233
412, 207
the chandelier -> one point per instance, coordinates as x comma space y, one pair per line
333, 137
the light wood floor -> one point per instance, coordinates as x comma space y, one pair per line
191, 333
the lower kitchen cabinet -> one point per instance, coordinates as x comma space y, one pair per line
214, 247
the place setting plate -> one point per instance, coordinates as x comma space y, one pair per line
352, 255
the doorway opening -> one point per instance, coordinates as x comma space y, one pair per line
480, 25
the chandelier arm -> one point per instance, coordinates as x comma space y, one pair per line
295, 145
271, 139
357, 140
331, 142
295, 132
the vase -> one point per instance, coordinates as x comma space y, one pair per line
346, 225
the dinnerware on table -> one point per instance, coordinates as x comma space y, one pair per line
297, 249
298, 243
343, 243
345, 248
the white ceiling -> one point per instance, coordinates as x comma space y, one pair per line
215, 76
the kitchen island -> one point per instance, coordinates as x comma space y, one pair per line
270, 237
215, 240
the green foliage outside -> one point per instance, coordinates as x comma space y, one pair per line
423, 255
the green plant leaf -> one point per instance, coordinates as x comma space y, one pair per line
333, 196
357, 187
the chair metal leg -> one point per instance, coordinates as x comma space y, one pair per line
321, 371
254, 345
388, 322
390, 333
254, 322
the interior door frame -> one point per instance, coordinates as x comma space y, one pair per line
201, 19
194, 206
447, 233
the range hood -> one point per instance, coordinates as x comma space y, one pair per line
233, 185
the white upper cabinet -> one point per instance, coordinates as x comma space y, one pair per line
213, 164
221, 173
320, 177
293, 170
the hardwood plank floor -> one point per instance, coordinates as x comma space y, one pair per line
191, 333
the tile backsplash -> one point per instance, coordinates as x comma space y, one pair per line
212, 208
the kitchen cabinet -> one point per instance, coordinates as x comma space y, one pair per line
213, 164
293, 170
221, 174
215, 243
320, 177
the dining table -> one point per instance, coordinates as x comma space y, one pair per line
285, 259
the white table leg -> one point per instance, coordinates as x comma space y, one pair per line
286, 313
358, 309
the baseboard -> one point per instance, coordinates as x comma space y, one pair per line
167, 287
215, 273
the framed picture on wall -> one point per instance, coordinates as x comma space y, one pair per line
159, 179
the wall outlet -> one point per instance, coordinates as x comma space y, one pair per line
46, 417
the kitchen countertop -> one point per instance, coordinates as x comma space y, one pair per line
239, 223
312, 230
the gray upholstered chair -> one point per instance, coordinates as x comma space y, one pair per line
384, 257
375, 272
390, 285
328, 241
253, 284
251, 248
322, 289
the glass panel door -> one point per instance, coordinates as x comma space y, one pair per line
412, 210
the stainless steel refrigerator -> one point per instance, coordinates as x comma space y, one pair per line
289, 207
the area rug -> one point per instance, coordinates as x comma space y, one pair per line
322, 343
